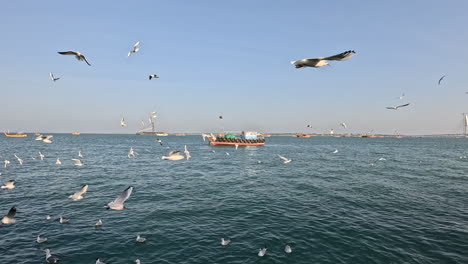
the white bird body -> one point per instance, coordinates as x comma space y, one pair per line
137, 261
122, 122
6, 162
80, 154
140, 239
19, 160
48, 217
47, 139
78, 162
287, 249
225, 242
51, 258
118, 203
237, 146
98, 261
40, 239
285, 160
58, 162
52, 77
153, 76
9, 185
173, 155
79, 56
336, 151
322, 61
262, 252
9, 218
136, 48
41, 155
79, 195
63, 220
99, 222
187, 153
131, 153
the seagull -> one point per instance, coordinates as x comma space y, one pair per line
99, 223
397, 107
9, 218
46, 139
322, 61
118, 203
336, 151
159, 141
237, 146
262, 252
136, 48
48, 217
285, 160
51, 258
9, 185
227, 154
63, 220
19, 160
52, 77
287, 249
441, 78
58, 162
79, 154
6, 162
173, 155
79, 195
225, 242
382, 159
140, 239
344, 125
309, 126
122, 122
137, 261
220, 117
78, 162
131, 153
40, 239
77, 55
153, 76
187, 153
98, 261
41, 155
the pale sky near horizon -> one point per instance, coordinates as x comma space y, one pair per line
232, 58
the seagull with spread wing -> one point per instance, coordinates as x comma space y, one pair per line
79, 56
79, 195
9, 218
118, 203
285, 160
441, 78
153, 76
173, 155
397, 107
322, 61
136, 48
52, 77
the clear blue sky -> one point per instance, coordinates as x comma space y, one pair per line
233, 58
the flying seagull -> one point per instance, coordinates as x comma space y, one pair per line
173, 155
131, 153
322, 61
9, 218
225, 242
187, 153
441, 78
78, 162
6, 163
118, 203
220, 117
45, 139
153, 76
396, 107
140, 239
344, 125
40, 239
136, 48
51, 258
19, 160
79, 195
80, 154
98, 261
41, 155
77, 55
9, 185
52, 77
309, 126
122, 122
285, 160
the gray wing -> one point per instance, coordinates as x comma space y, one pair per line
402, 105
124, 195
11, 213
84, 58
311, 61
441, 78
174, 152
342, 56
391, 107
67, 52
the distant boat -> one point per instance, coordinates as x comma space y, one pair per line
15, 134
76, 133
303, 135
247, 138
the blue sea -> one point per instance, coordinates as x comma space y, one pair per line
377, 200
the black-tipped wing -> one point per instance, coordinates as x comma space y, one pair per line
11, 213
402, 105
441, 78
342, 56
124, 195
84, 58
67, 52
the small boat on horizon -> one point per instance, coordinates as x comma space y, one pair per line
15, 134
247, 138
76, 133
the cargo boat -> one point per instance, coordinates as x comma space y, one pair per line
15, 134
247, 138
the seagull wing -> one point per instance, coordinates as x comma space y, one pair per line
83, 190
283, 158
135, 47
441, 78
174, 152
68, 52
84, 58
342, 56
11, 213
123, 196
77, 161
391, 107
51, 76
402, 105
311, 61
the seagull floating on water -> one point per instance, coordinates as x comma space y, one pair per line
40, 239
9, 218
51, 258
48, 217
98, 261
79, 56
140, 239
6, 162
79, 195
322, 61
336, 151
287, 249
58, 162
173, 155
99, 223
285, 160
397, 107
153, 76
262, 252
41, 155
78, 162
225, 242
52, 77
118, 203
63, 220
137, 261
187, 153
80, 154
9, 185
136, 48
